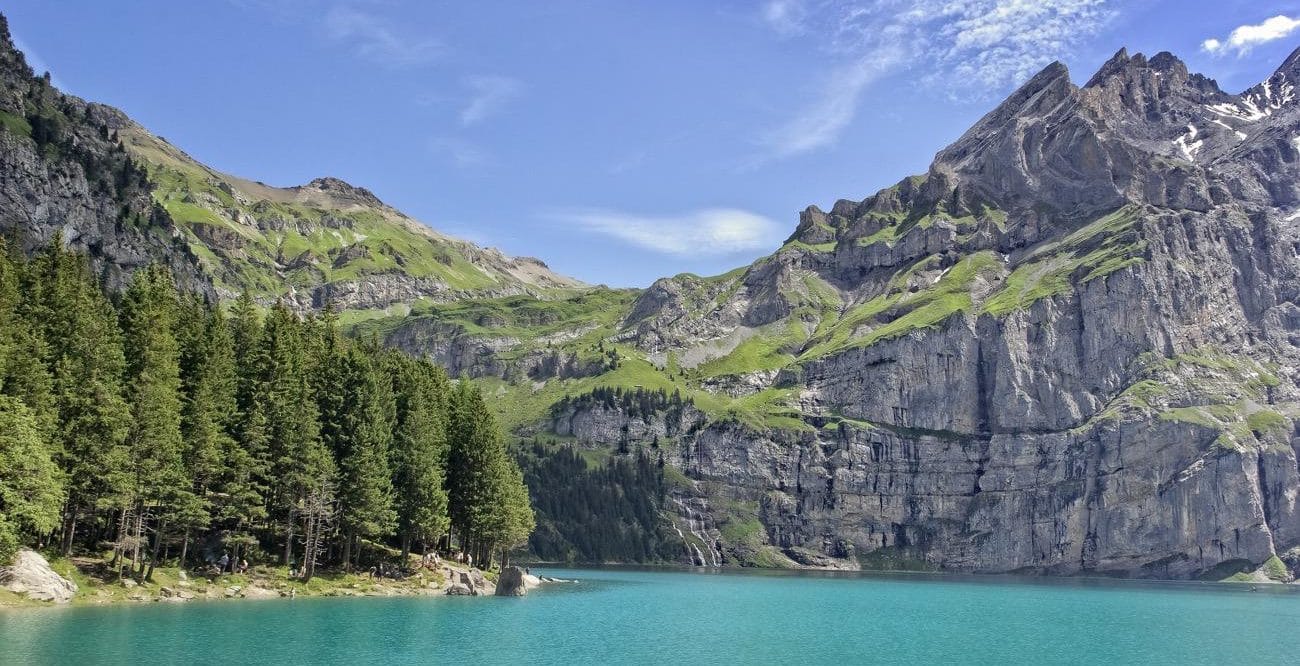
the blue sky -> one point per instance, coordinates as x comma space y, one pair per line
618, 141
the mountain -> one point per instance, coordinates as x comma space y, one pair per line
130, 198
1072, 346
1069, 347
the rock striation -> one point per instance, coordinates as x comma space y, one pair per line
1070, 347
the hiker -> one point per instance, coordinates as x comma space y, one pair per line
243, 565
223, 562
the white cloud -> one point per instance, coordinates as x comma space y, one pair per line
786, 17
820, 123
709, 231
1243, 38
375, 39
968, 48
490, 95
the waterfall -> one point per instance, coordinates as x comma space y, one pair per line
697, 526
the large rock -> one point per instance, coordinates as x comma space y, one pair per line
30, 574
469, 583
511, 583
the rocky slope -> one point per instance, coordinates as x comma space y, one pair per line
60, 172
1069, 347
129, 198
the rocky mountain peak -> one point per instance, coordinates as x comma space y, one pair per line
343, 190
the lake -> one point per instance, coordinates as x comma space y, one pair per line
663, 616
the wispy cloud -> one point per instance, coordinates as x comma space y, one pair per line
786, 17
969, 49
374, 38
459, 152
1243, 38
820, 123
489, 94
709, 231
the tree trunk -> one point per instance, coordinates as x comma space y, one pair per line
347, 551
185, 548
288, 543
69, 532
137, 565
157, 548
406, 548
117, 543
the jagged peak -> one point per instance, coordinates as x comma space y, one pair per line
1116, 63
341, 188
1163, 63
1290, 68
1041, 93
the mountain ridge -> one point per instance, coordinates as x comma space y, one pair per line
1084, 313
1072, 346
318, 242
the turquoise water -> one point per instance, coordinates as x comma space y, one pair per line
633, 616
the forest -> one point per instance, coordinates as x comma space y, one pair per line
154, 427
609, 512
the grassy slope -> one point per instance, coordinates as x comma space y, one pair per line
299, 238
820, 324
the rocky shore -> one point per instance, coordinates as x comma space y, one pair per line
33, 581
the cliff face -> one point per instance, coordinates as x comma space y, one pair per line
61, 172
129, 198
1070, 347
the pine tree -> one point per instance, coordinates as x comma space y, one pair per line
210, 383
361, 447
84, 354
31, 488
160, 483
419, 451
301, 465
489, 503
245, 479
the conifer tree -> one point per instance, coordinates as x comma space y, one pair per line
419, 451
160, 482
301, 465
85, 358
361, 447
31, 488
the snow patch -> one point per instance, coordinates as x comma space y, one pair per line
1241, 136
1187, 143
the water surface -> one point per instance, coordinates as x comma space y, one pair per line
636, 616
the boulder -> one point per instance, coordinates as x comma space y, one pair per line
30, 574
473, 583
234, 591
511, 583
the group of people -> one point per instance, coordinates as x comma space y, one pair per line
226, 565
431, 559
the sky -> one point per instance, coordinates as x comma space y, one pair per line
617, 141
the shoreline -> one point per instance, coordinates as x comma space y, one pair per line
264, 583
172, 586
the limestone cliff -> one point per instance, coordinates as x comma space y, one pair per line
1069, 347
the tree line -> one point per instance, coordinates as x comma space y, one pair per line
154, 425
